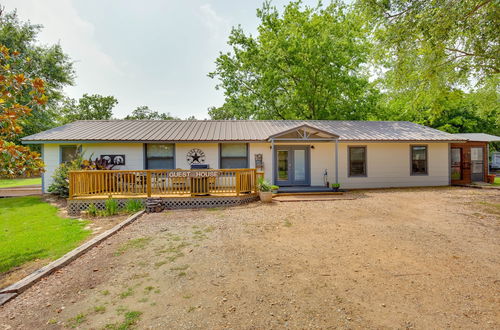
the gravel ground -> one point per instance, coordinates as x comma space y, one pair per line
408, 258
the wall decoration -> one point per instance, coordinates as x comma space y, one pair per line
258, 161
195, 156
114, 159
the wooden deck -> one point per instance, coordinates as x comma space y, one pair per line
162, 183
139, 196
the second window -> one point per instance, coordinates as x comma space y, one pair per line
233, 155
357, 161
418, 160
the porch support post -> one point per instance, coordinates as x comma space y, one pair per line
272, 161
487, 160
336, 160
449, 164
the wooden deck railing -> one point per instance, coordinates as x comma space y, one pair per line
162, 183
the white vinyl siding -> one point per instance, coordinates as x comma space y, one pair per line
387, 164
134, 156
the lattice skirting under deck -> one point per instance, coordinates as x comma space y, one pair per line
75, 206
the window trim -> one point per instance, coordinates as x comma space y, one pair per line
247, 153
426, 160
146, 162
365, 166
61, 146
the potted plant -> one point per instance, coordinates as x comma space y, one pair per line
265, 190
491, 178
335, 186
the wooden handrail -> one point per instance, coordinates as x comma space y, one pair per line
148, 183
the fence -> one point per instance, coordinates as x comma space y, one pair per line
163, 183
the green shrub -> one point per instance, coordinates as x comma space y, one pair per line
92, 210
60, 183
111, 206
101, 213
133, 205
264, 185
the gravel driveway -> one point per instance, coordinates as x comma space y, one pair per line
408, 258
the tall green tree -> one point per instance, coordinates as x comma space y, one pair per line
144, 112
88, 107
438, 35
20, 94
439, 61
304, 63
48, 62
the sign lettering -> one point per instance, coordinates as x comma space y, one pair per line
193, 174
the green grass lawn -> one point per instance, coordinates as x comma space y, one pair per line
31, 229
497, 181
6, 183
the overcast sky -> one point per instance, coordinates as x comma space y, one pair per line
150, 52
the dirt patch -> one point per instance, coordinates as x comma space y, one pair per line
409, 258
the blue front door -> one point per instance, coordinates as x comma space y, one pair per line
292, 166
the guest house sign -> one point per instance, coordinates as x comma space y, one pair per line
193, 174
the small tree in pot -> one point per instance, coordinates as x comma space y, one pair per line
335, 186
266, 190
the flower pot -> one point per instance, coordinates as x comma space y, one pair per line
491, 178
266, 196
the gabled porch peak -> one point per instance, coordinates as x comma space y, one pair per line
307, 134
304, 133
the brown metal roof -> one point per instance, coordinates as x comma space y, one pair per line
478, 137
233, 130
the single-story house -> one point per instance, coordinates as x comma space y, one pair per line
291, 153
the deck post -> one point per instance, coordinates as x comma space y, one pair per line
148, 183
254, 180
272, 161
71, 183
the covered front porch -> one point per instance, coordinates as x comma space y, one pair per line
292, 163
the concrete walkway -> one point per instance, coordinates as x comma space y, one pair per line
19, 191
310, 198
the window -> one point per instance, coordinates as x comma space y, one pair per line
357, 161
68, 153
234, 155
456, 163
418, 160
160, 156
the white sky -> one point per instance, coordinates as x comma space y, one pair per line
151, 52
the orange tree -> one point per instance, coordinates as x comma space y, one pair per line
19, 94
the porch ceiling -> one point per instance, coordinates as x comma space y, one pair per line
304, 133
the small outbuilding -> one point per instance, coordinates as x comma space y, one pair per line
470, 159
